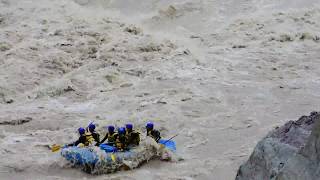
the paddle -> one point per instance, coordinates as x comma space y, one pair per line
162, 145
113, 157
170, 138
55, 147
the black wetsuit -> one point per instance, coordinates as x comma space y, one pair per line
133, 138
96, 137
155, 134
121, 142
82, 139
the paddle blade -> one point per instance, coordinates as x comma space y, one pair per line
162, 146
113, 157
55, 148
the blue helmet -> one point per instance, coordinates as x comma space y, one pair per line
91, 127
129, 126
149, 125
81, 130
122, 130
110, 128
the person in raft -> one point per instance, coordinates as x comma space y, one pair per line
111, 136
91, 129
155, 134
85, 139
132, 136
121, 140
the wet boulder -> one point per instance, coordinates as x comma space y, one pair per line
287, 152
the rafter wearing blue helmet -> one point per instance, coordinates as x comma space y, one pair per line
96, 136
111, 136
155, 134
82, 138
121, 141
133, 137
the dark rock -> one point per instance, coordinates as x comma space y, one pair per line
305, 164
65, 44
114, 64
239, 46
126, 85
290, 152
58, 32
186, 52
133, 30
285, 38
186, 99
1, 19
150, 48
9, 101
68, 89
316, 38
160, 101
16, 121
136, 72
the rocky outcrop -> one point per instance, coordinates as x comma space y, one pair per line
290, 152
306, 163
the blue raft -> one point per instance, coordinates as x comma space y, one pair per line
89, 159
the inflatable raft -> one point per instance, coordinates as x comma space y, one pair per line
107, 159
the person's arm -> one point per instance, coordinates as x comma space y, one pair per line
96, 137
136, 138
114, 139
157, 135
80, 140
105, 138
122, 143
71, 144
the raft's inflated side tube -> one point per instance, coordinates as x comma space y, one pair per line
79, 156
107, 148
171, 145
86, 156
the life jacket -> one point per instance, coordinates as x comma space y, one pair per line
155, 134
89, 139
80, 145
121, 142
133, 137
96, 136
112, 137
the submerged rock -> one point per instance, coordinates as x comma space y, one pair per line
133, 30
290, 152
